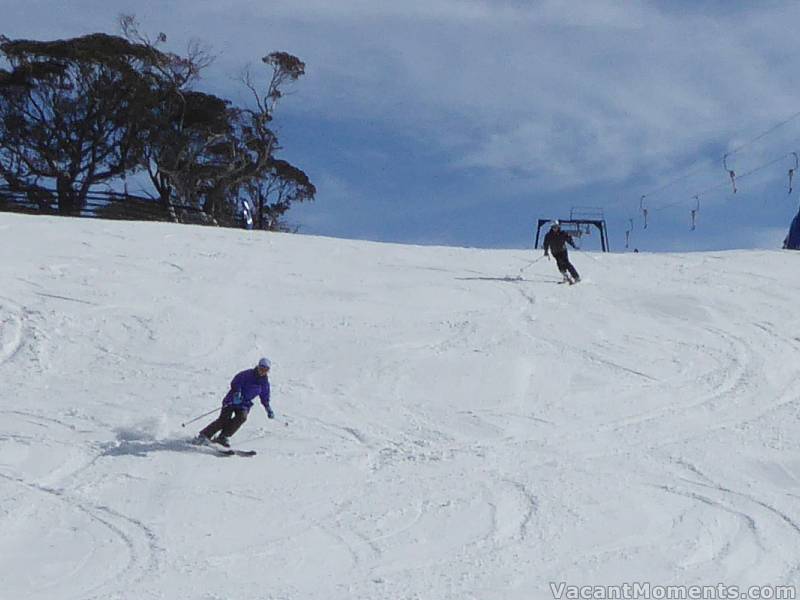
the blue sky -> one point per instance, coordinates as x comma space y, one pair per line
461, 122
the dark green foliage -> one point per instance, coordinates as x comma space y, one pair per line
93, 48
70, 111
96, 109
274, 194
204, 111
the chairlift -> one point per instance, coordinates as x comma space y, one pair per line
793, 170
730, 171
578, 227
643, 209
628, 233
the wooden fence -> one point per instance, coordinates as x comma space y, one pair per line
104, 205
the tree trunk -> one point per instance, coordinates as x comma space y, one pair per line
67, 200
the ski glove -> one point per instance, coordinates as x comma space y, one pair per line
270, 414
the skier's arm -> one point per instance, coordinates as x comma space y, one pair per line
570, 242
546, 244
236, 383
235, 393
265, 401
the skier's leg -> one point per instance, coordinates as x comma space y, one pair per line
560, 262
217, 425
572, 270
563, 264
233, 424
574, 273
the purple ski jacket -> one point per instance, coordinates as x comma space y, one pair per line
244, 387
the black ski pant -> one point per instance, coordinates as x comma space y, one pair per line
229, 420
562, 261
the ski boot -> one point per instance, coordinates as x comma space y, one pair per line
201, 440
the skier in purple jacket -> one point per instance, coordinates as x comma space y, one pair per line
237, 403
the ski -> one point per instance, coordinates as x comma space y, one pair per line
232, 452
221, 450
228, 451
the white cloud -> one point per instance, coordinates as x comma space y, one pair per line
567, 93
562, 92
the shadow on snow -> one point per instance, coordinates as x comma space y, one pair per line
508, 279
145, 447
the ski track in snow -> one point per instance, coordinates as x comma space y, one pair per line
134, 540
443, 430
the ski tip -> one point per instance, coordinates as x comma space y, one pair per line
232, 452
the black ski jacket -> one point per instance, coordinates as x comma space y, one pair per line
556, 241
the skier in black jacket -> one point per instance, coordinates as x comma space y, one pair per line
556, 242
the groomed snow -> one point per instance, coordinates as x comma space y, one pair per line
444, 429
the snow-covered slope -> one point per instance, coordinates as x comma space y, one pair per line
444, 428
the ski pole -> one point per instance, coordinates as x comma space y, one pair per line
530, 264
200, 417
587, 254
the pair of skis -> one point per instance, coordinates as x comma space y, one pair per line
231, 452
221, 450
569, 281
